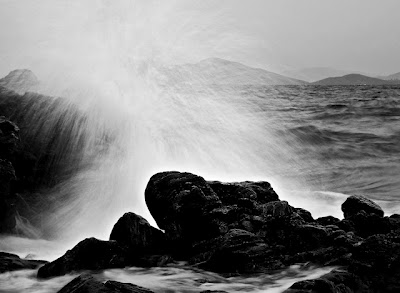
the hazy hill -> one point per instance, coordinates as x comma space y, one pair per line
313, 74
395, 76
353, 79
20, 80
223, 72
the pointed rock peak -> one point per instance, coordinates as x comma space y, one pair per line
20, 80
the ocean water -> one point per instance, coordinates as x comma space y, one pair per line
348, 135
332, 141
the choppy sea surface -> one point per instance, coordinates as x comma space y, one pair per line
347, 139
347, 136
354, 134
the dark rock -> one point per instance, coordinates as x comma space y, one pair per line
7, 175
277, 209
86, 283
201, 251
344, 239
377, 261
365, 225
328, 220
89, 254
181, 204
356, 203
136, 233
313, 235
151, 260
334, 282
239, 251
289, 229
126, 287
243, 227
314, 286
346, 225
7, 200
12, 262
378, 252
9, 137
305, 215
394, 221
230, 193
326, 256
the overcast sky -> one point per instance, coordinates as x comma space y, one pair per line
276, 35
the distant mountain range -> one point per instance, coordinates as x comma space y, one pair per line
317, 74
354, 79
313, 74
217, 71
223, 72
395, 76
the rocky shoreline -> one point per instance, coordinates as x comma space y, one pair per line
241, 228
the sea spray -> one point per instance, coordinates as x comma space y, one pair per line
135, 113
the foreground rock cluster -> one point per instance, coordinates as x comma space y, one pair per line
243, 227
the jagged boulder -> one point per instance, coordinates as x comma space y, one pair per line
137, 234
86, 283
328, 220
237, 251
89, 254
232, 192
191, 209
277, 209
356, 203
181, 203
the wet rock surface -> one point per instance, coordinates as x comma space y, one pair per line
181, 204
86, 283
337, 281
89, 254
135, 232
357, 203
